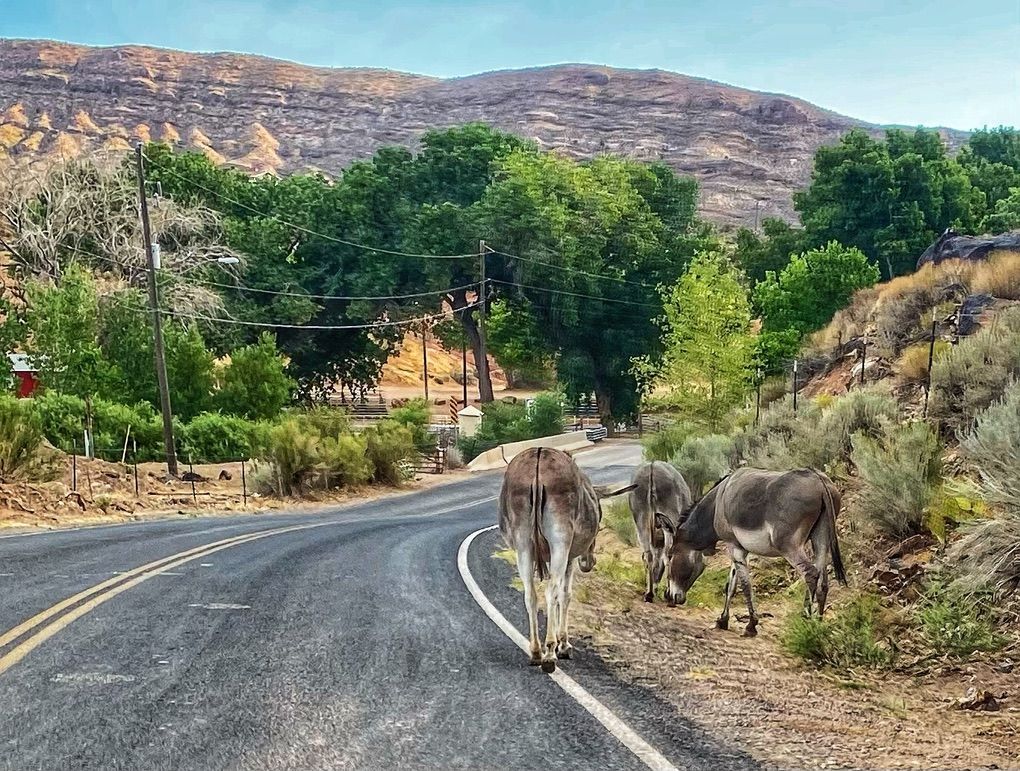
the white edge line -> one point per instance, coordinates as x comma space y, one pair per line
627, 736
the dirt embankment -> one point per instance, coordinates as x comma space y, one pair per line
785, 713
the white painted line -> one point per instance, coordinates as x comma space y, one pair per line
627, 736
219, 606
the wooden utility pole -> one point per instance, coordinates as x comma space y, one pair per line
157, 323
425, 357
483, 358
931, 360
463, 367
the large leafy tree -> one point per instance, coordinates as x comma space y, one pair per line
707, 339
772, 249
890, 199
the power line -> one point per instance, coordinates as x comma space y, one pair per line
303, 229
567, 269
244, 288
318, 327
573, 294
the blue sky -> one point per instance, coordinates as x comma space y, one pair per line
888, 61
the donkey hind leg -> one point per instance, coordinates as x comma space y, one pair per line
820, 547
553, 588
740, 563
723, 622
811, 574
526, 569
648, 557
563, 647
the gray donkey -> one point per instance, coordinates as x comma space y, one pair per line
660, 490
549, 513
768, 513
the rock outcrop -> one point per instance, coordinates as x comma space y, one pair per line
952, 246
748, 149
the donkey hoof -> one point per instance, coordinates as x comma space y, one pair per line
535, 661
751, 631
722, 623
649, 597
549, 666
565, 652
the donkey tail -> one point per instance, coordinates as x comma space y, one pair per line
539, 545
830, 523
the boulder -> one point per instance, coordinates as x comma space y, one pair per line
952, 246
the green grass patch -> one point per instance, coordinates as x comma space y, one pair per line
957, 624
617, 516
849, 637
621, 570
709, 589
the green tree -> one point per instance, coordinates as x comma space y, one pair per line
808, 291
255, 382
63, 335
1006, 214
707, 340
190, 371
517, 343
757, 254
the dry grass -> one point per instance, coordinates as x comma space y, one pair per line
998, 276
913, 364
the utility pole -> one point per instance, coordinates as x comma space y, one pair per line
157, 323
931, 360
463, 367
425, 357
757, 204
795, 386
483, 359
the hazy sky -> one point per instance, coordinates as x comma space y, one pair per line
888, 61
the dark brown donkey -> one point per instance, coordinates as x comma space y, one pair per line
768, 513
549, 513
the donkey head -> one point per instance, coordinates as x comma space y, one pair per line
685, 562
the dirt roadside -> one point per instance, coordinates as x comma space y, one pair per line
784, 713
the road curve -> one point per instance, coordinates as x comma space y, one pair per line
340, 638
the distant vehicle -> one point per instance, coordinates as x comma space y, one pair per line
27, 376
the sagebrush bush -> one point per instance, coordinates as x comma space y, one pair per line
389, 446
848, 637
344, 461
663, 445
325, 421
987, 556
998, 275
293, 454
215, 438
976, 372
992, 448
867, 411
703, 460
898, 477
23, 453
957, 624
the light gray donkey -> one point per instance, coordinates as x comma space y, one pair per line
549, 513
660, 491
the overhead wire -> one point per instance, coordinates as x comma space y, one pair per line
567, 269
572, 294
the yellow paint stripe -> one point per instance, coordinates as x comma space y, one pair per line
29, 624
19, 652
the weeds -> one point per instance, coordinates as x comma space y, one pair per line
617, 517
848, 638
957, 624
703, 460
663, 445
998, 275
23, 453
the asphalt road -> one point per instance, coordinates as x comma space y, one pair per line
344, 639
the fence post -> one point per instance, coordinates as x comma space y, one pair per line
74, 465
244, 483
864, 356
191, 473
795, 385
757, 396
931, 359
134, 463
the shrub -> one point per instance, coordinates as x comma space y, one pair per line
501, 422
999, 276
62, 418
868, 411
325, 421
110, 422
344, 461
992, 447
663, 445
416, 417
988, 555
255, 383
293, 453
957, 624
703, 460
23, 453
546, 418
389, 446
848, 638
212, 437
898, 474
976, 372
913, 363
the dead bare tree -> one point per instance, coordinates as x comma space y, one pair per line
85, 210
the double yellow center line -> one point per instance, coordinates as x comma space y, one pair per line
36, 631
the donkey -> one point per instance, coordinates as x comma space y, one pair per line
660, 490
549, 513
768, 513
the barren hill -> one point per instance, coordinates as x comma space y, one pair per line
266, 115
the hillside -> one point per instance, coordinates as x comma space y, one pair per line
273, 116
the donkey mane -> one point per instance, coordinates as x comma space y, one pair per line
698, 528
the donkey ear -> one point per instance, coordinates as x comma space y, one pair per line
665, 523
608, 491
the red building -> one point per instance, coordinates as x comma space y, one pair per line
25, 374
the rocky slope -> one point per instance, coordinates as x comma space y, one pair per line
272, 116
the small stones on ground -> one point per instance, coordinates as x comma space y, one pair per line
978, 700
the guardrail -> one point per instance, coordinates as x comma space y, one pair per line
499, 456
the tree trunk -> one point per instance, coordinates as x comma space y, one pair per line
604, 403
467, 320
